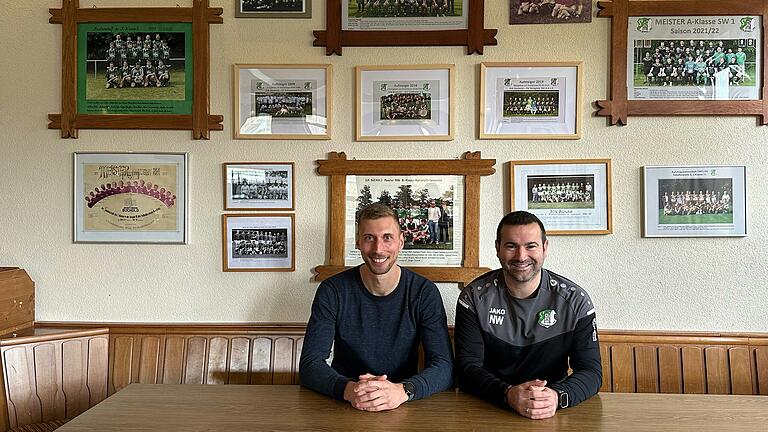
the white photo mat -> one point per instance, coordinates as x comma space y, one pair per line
255, 84
433, 82
694, 201
588, 212
439, 186
530, 100
247, 236
646, 34
258, 186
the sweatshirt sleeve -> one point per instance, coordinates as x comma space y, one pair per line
438, 355
470, 351
314, 370
584, 359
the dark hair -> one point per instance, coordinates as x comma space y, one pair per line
377, 211
520, 218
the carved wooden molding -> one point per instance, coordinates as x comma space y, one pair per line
200, 122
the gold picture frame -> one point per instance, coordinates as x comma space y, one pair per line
570, 196
381, 114
308, 86
530, 100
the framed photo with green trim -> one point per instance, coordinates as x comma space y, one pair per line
134, 68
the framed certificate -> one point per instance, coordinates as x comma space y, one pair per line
131, 198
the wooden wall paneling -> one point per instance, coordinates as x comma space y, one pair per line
239, 356
646, 369
48, 379
120, 362
194, 368
739, 360
149, 359
718, 375
4, 405
670, 370
297, 359
173, 360
74, 361
98, 366
217, 360
623, 368
694, 372
605, 360
23, 405
261, 361
761, 363
282, 361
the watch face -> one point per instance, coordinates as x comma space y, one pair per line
410, 389
563, 399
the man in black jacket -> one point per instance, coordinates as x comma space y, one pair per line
519, 328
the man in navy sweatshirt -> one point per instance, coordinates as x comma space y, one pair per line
375, 316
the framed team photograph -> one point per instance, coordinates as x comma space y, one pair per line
283, 101
258, 242
131, 198
686, 57
375, 23
437, 203
694, 201
258, 186
136, 68
571, 196
530, 100
550, 11
273, 8
430, 209
405, 103
694, 58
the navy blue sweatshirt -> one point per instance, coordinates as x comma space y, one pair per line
376, 335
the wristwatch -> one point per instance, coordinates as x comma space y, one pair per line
562, 399
410, 389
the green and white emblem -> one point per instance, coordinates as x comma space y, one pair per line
547, 318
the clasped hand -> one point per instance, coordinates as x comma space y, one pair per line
533, 399
374, 393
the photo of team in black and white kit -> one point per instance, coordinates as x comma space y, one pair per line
135, 60
694, 62
404, 8
406, 106
561, 191
695, 201
549, 11
531, 103
273, 185
271, 5
282, 104
260, 243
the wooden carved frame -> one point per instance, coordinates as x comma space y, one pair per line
201, 122
619, 107
470, 165
474, 37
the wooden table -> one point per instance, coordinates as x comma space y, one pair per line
189, 408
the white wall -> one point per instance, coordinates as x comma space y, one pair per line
676, 284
